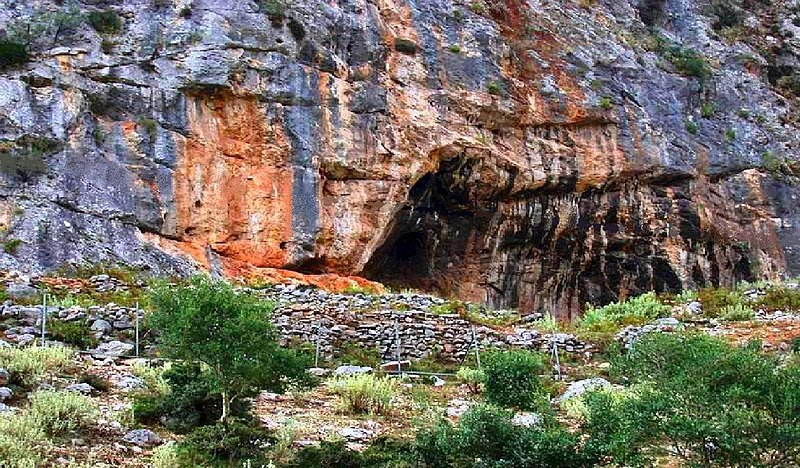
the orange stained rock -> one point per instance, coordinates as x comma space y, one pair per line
233, 183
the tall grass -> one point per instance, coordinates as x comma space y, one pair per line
28, 366
364, 393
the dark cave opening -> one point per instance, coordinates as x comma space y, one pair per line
403, 261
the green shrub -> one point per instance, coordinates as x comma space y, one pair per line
233, 443
605, 103
715, 300
547, 324
192, 401
12, 54
633, 311
692, 127
364, 393
359, 355
454, 48
328, 454
28, 366
209, 323
713, 404
10, 246
152, 377
166, 456
73, 333
22, 444
737, 313
730, 134
472, 378
97, 382
494, 88
405, 46
485, 437
274, 9
512, 379
105, 22
687, 62
58, 412
780, 298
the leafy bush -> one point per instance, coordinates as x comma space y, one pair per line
737, 313
232, 442
274, 9
712, 403
97, 382
472, 378
634, 311
486, 437
208, 323
357, 354
58, 412
166, 456
715, 300
192, 401
12, 54
74, 333
105, 22
22, 444
405, 46
364, 393
781, 298
10, 246
28, 366
152, 378
512, 379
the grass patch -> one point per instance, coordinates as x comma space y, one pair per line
29, 366
10, 246
364, 394
74, 333
105, 22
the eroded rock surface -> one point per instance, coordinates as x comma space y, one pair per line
526, 154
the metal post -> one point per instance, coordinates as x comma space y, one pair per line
556, 359
137, 329
44, 317
318, 338
398, 347
477, 348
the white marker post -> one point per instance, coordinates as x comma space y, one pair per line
44, 318
137, 329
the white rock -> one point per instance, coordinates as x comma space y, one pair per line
345, 371
142, 437
580, 387
526, 419
113, 349
5, 393
80, 388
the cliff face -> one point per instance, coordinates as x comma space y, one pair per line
530, 154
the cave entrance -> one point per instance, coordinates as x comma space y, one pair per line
403, 261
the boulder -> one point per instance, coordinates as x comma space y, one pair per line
580, 387
142, 437
113, 349
346, 371
101, 325
80, 388
4, 376
526, 419
5, 393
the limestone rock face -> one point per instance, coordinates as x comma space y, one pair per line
525, 154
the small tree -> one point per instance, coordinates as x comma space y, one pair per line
207, 322
511, 379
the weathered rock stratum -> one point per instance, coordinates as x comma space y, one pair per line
528, 154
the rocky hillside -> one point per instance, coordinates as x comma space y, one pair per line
524, 154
